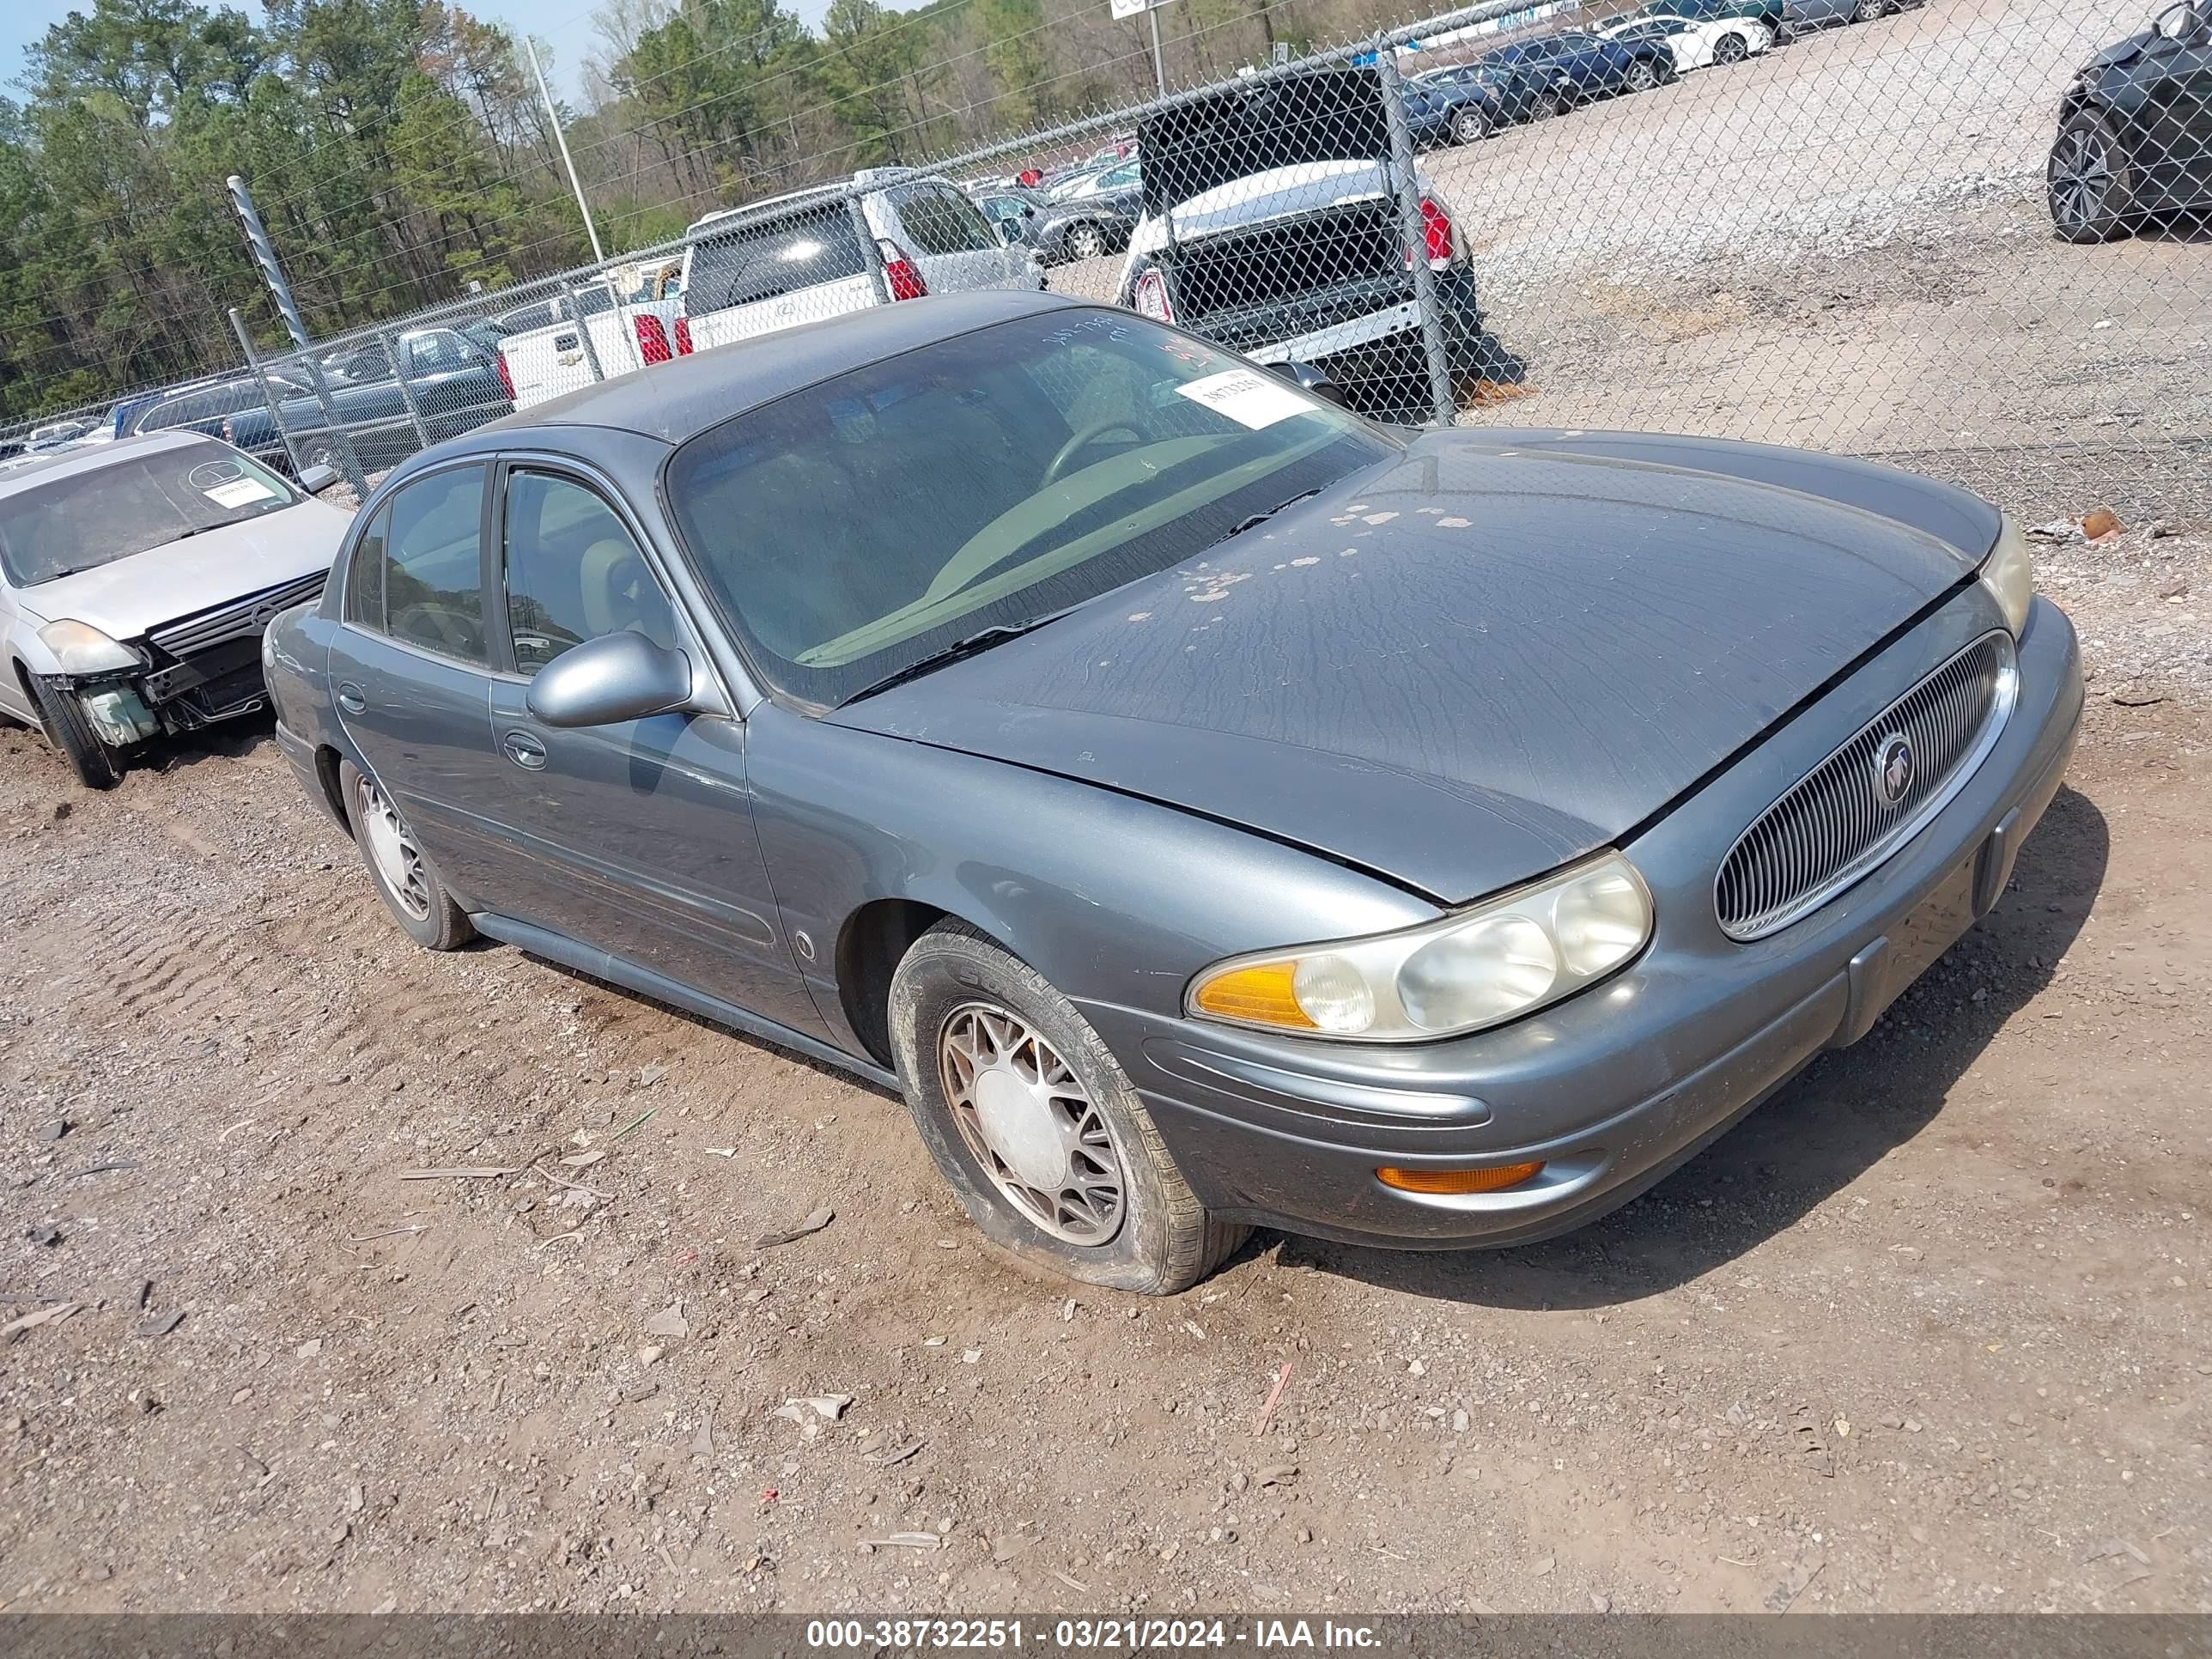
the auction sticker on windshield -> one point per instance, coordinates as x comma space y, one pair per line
239, 492
1250, 397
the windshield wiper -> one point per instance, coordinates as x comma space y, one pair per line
1257, 519
982, 639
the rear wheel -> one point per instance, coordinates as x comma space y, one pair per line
405, 882
2091, 188
1034, 1124
1545, 105
1731, 49
96, 765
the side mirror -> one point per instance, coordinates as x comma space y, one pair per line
1009, 231
316, 479
1029, 210
610, 679
1306, 376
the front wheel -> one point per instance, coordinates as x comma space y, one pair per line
1034, 1124
2090, 186
96, 765
1545, 106
1470, 126
1641, 76
1870, 12
405, 882
1085, 241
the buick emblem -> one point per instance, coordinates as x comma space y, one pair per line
1892, 769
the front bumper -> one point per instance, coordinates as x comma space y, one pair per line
1614, 1088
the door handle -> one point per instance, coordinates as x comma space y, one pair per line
524, 750
350, 699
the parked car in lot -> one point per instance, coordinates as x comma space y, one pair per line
1461, 104
1207, 807
547, 348
1698, 44
136, 579
203, 408
1270, 226
1060, 230
456, 381
1798, 16
2134, 130
1769, 12
1536, 80
798, 257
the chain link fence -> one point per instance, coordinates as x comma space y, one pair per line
1922, 233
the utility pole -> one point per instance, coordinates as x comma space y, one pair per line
560, 138
1159, 71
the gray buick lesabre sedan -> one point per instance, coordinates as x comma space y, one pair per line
1207, 808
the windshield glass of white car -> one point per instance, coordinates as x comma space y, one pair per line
856, 528
90, 517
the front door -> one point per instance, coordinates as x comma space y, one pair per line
636, 839
412, 678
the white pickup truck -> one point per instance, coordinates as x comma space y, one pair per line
632, 317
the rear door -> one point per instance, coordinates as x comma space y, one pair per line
410, 673
454, 385
950, 241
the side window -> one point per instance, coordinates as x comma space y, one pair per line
943, 221
364, 596
433, 354
573, 571
433, 577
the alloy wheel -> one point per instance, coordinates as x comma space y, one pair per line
391, 848
1642, 77
1728, 49
2081, 178
1469, 127
1027, 1119
1085, 243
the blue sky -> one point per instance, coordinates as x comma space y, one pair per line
566, 24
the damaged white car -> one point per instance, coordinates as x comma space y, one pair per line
136, 579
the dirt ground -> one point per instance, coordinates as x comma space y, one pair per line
1926, 1332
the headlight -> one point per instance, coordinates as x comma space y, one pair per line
2009, 574
1490, 963
81, 649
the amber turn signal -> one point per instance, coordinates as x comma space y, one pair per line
1452, 1183
1262, 995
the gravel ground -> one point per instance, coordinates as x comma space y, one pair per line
1843, 244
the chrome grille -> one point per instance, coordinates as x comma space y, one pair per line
236, 620
1834, 826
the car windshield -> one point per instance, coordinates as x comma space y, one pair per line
852, 530
134, 503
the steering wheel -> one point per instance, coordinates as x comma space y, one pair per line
1088, 433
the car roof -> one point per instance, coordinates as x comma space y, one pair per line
676, 400
90, 458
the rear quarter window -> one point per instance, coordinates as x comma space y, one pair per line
941, 220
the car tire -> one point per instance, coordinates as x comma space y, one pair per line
1546, 106
1470, 126
412, 890
1731, 49
1085, 241
1133, 1223
1642, 75
2089, 185
66, 728
1871, 11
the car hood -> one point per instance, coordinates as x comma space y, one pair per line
2121, 51
126, 598
1470, 664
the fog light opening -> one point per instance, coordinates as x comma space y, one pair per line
1457, 1184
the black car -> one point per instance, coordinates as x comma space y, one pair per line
203, 407
1456, 106
1093, 224
2134, 130
1534, 80
1769, 12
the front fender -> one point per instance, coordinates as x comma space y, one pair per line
1112, 898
